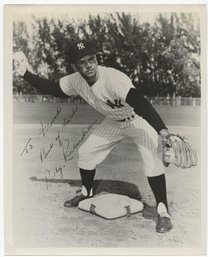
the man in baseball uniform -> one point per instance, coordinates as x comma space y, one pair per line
127, 112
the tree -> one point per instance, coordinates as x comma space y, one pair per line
181, 55
161, 59
21, 42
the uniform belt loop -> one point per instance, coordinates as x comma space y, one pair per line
127, 119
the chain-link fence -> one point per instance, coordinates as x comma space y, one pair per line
177, 101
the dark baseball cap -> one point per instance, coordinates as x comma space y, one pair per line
79, 49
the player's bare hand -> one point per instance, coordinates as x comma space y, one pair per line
164, 133
20, 63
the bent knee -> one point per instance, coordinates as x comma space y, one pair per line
85, 159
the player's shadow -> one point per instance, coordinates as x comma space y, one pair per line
110, 186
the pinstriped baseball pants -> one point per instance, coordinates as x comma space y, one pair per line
109, 133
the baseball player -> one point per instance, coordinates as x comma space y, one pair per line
127, 112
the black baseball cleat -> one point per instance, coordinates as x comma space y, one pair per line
74, 202
163, 224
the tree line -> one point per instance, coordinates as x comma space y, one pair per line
162, 59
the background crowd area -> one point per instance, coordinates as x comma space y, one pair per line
162, 58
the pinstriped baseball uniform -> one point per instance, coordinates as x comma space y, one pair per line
108, 96
112, 93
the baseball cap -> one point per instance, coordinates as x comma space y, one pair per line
79, 49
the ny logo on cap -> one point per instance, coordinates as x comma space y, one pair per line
80, 46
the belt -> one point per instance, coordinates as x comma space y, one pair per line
127, 119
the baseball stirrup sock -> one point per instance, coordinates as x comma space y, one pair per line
158, 186
87, 177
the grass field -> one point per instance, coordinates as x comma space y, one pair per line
34, 112
40, 187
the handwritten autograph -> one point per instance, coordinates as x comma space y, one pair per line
45, 127
44, 153
65, 144
67, 147
68, 120
50, 174
27, 146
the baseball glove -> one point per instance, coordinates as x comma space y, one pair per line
20, 63
177, 150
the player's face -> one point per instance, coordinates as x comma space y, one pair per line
87, 66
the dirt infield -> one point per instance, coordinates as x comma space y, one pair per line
44, 178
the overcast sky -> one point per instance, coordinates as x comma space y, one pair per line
143, 13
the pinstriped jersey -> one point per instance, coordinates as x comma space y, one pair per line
107, 95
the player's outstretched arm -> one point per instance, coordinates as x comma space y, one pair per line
45, 86
176, 149
143, 108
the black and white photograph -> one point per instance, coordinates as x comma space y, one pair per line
105, 120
